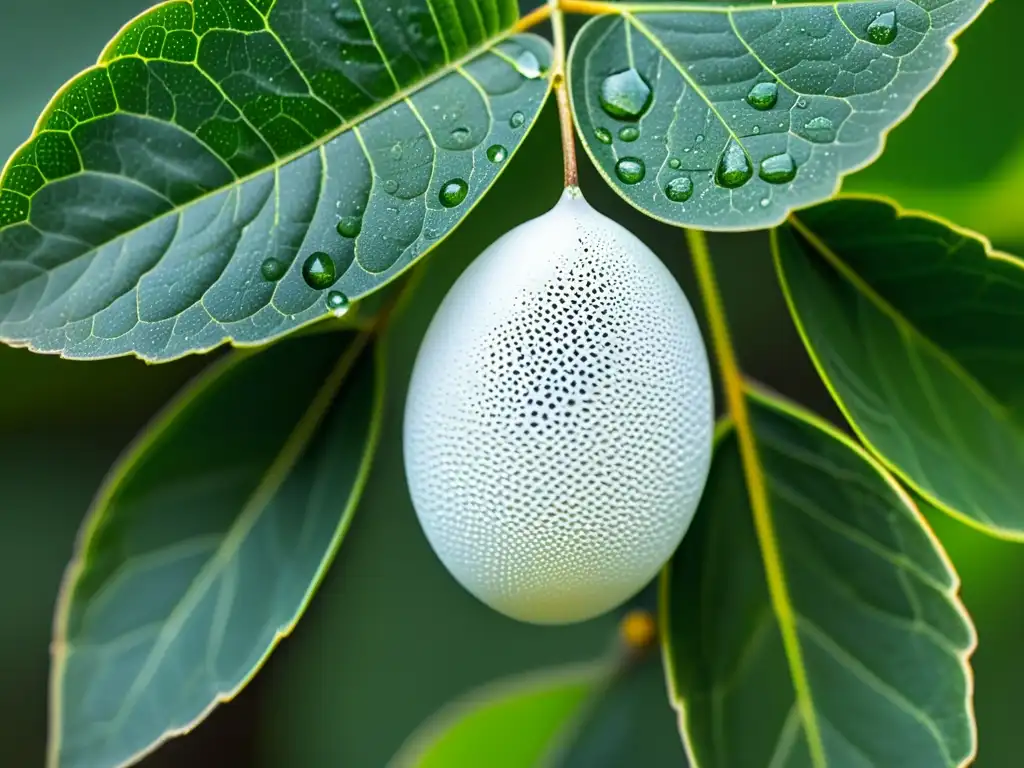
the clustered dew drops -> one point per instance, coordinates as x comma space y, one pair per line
627, 95
559, 421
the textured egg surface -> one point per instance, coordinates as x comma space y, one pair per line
559, 420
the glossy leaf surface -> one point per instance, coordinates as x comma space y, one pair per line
207, 542
746, 111
506, 725
172, 194
917, 328
878, 675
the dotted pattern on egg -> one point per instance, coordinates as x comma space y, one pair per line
559, 421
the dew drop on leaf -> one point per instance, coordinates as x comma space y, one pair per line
272, 269
734, 167
778, 169
350, 226
882, 30
528, 66
679, 190
763, 96
674, 162
338, 303
319, 271
391, 186
517, 120
630, 170
453, 192
819, 129
629, 133
460, 135
603, 135
625, 94
497, 153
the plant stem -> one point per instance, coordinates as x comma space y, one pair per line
562, 95
533, 18
736, 401
589, 8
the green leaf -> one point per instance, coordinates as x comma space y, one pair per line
916, 327
754, 110
207, 542
512, 724
213, 136
629, 723
876, 673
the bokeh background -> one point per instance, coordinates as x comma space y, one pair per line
389, 637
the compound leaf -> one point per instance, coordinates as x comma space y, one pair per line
862, 660
730, 115
917, 328
204, 547
170, 195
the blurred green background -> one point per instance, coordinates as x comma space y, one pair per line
390, 637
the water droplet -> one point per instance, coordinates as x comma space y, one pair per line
629, 133
699, 138
497, 153
319, 271
453, 192
679, 190
763, 96
625, 94
337, 302
460, 135
819, 129
765, 202
273, 269
528, 66
778, 169
674, 162
882, 30
396, 151
415, 30
630, 170
391, 186
802, 103
603, 135
756, 130
517, 120
734, 167
350, 226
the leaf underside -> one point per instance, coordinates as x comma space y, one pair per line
207, 543
839, 90
916, 327
883, 639
211, 137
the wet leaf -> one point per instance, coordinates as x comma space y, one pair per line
762, 107
174, 196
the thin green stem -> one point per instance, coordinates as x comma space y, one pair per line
757, 489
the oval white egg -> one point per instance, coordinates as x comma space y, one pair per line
559, 421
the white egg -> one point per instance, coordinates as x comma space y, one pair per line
559, 421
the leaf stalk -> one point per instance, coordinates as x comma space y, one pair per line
562, 95
736, 402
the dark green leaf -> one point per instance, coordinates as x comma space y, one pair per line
507, 725
917, 328
171, 195
761, 108
207, 542
628, 724
875, 672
